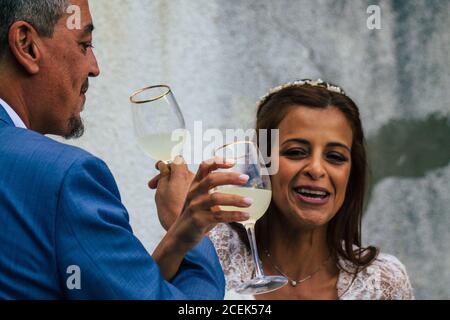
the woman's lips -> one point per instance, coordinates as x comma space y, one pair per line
312, 200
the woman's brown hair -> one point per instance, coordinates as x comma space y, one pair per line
344, 230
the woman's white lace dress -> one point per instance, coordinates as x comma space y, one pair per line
384, 279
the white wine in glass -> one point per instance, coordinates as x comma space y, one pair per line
261, 201
158, 122
247, 159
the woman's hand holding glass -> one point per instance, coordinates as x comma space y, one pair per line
200, 212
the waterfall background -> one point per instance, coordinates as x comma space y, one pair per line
220, 57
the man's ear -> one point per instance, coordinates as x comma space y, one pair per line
23, 43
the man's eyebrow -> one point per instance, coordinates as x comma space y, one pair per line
88, 29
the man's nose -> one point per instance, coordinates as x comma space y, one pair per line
94, 68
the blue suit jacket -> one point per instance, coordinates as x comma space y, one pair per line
63, 225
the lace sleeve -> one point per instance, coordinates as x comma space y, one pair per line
233, 255
394, 281
384, 279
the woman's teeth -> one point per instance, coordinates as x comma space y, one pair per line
312, 193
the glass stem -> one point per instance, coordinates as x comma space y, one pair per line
254, 249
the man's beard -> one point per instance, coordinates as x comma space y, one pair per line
75, 128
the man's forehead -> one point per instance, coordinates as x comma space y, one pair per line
80, 3
82, 6
78, 18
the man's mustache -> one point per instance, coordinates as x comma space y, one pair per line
85, 87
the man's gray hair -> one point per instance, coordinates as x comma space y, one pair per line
41, 14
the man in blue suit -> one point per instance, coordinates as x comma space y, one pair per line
64, 231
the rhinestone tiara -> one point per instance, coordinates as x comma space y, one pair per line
299, 83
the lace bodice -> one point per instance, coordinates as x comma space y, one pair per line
384, 279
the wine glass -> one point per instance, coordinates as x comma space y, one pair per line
158, 122
247, 161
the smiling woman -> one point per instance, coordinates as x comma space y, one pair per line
311, 232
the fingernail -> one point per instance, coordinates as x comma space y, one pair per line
244, 177
246, 216
178, 160
248, 201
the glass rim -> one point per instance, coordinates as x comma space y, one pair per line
236, 143
137, 92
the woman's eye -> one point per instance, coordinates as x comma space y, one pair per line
295, 153
336, 157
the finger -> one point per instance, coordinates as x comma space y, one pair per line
216, 179
164, 175
164, 169
211, 165
153, 184
223, 199
231, 216
179, 160
217, 201
157, 164
179, 168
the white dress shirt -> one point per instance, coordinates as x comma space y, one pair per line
13, 115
